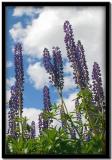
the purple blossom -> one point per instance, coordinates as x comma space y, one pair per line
33, 133
54, 67
76, 56
47, 61
58, 68
98, 94
11, 129
16, 100
40, 123
73, 133
19, 73
87, 137
45, 123
46, 96
78, 113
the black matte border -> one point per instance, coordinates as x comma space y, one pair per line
107, 60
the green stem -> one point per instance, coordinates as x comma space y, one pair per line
63, 103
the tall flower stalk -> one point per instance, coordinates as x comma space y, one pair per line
98, 93
76, 56
13, 108
33, 132
47, 106
16, 100
19, 75
54, 66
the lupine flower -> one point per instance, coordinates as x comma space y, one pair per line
33, 133
78, 114
58, 68
40, 123
54, 67
19, 73
11, 113
63, 121
47, 106
43, 123
46, 96
76, 56
82, 63
98, 93
73, 133
47, 61
86, 135
16, 100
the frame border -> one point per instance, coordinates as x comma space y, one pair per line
107, 53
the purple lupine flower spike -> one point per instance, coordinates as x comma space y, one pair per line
46, 96
76, 56
11, 113
16, 100
40, 123
47, 61
54, 67
73, 133
19, 73
47, 106
58, 68
86, 135
33, 132
82, 63
78, 114
98, 93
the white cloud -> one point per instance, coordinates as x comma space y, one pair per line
9, 64
69, 83
33, 115
10, 82
18, 33
28, 11
38, 75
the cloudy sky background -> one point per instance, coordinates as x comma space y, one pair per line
39, 28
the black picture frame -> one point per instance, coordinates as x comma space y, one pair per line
107, 52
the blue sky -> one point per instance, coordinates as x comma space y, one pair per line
39, 28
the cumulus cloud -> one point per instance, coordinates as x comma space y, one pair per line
18, 33
38, 75
28, 11
47, 31
9, 64
68, 83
